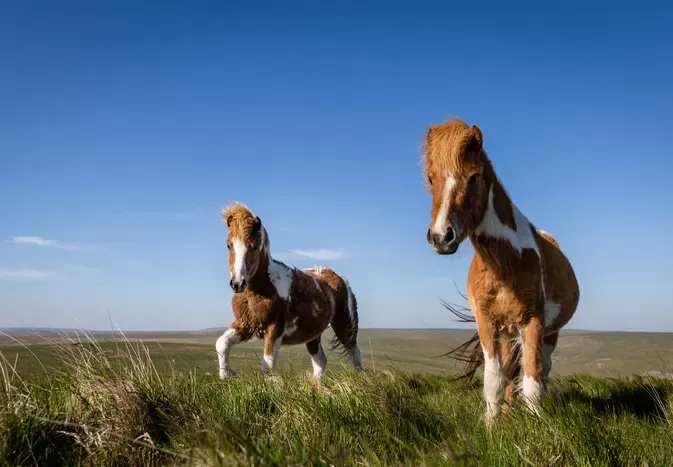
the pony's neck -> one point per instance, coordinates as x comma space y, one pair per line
503, 229
260, 280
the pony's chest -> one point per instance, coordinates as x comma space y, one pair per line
506, 308
254, 307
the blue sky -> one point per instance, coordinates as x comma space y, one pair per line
125, 128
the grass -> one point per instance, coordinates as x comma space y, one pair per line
97, 405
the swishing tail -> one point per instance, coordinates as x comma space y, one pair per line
345, 324
469, 352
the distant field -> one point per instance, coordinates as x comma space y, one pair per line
415, 350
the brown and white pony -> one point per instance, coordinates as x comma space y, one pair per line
280, 304
521, 288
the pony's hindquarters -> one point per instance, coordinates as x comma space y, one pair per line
345, 326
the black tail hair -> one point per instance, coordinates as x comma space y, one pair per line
469, 352
346, 332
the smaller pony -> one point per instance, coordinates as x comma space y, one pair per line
279, 304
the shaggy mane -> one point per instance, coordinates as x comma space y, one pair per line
239, 218
445, 144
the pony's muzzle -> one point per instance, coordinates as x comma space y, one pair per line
238, 285
444, 243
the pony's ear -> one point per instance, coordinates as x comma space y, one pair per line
428, 137
256, 224
475, 139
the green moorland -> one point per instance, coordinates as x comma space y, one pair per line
99, 401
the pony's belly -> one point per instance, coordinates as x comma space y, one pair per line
300, 330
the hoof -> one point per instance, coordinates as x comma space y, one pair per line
225, 372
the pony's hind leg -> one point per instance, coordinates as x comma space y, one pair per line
318, 357
273, 335
548, 346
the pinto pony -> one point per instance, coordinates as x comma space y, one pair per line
279, 304
521, 288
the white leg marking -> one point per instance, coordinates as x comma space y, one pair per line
269, 361
494, 385
281, 278
532, 393
551, 311
319, 361
439, 227
240, 250
223, 347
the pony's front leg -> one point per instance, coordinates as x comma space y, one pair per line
494, 376
533, 387
231, 337
273, 336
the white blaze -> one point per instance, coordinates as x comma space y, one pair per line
240, 250
439, 227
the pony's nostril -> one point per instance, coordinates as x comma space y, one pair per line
429, 237
231, 283
449, 236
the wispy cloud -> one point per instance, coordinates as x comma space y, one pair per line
18, 273
320, 255
40, 241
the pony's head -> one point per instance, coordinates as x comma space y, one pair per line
454, 164
247, 243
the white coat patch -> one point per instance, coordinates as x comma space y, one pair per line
492, 227
291, 327
551, 312
281, 277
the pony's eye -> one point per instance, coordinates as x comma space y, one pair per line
473, 179
228, 246
429, 180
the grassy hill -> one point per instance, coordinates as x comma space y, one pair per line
159, 402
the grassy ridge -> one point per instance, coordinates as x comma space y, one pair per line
609, 354
100, 407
